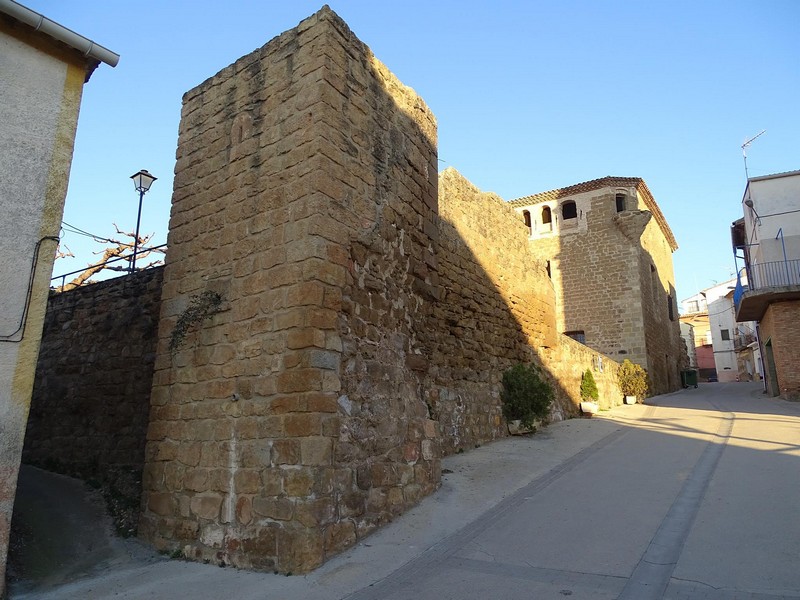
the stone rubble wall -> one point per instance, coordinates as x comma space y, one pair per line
496, 309
382, 144
91, 397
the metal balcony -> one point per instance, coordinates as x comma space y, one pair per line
766, 283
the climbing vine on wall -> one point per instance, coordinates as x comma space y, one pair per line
200, 308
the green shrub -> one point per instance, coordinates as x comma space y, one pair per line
589, 387
632, 379
526, 395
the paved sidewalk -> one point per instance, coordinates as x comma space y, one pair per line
476, 482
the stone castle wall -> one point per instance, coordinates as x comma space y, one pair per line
91, 397
567, 363
334, 317
496, 309
360, 335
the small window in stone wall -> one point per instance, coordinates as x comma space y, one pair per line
671, 308
578, 336
726, 334
620, 202
569, 210
241, 129
549, 273
527, 216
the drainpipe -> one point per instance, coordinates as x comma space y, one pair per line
785, 261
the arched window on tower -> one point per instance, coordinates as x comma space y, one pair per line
547, 219
620, 202
527, 216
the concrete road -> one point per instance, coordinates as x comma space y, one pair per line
699, 497
695, 495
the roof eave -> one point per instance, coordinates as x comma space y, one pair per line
95, 53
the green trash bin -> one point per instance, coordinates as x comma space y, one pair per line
689, 378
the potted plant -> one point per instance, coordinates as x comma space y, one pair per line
589, 394
632, 381
526, 396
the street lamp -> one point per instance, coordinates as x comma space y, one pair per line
142, 182
749, 203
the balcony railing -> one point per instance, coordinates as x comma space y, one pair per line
773, 274
766, 283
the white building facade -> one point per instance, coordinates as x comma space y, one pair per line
767, 238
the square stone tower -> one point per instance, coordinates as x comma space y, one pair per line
301, 258
610, 248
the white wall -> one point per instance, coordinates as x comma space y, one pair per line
687, 333
776, 199
721, 318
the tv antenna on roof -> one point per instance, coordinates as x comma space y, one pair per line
744, 150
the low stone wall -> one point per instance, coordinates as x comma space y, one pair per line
91, 398
567, 363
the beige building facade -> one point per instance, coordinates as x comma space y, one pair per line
44, 67
609, 253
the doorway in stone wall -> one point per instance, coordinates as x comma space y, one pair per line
772, 372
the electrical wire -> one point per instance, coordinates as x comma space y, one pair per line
24, 318
77, 230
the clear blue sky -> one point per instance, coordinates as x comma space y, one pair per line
529, 96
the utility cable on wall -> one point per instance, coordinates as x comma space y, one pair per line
17, 335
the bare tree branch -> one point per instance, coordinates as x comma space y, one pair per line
121, 249
63, 254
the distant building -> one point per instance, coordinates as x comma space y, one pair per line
725, 350
44, 67
609, 253
694, 314
767, 238
687, 334
721, 322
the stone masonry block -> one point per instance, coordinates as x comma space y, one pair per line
316, 451
305, 337
303, 424
280, 509
299, 380
206, 506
